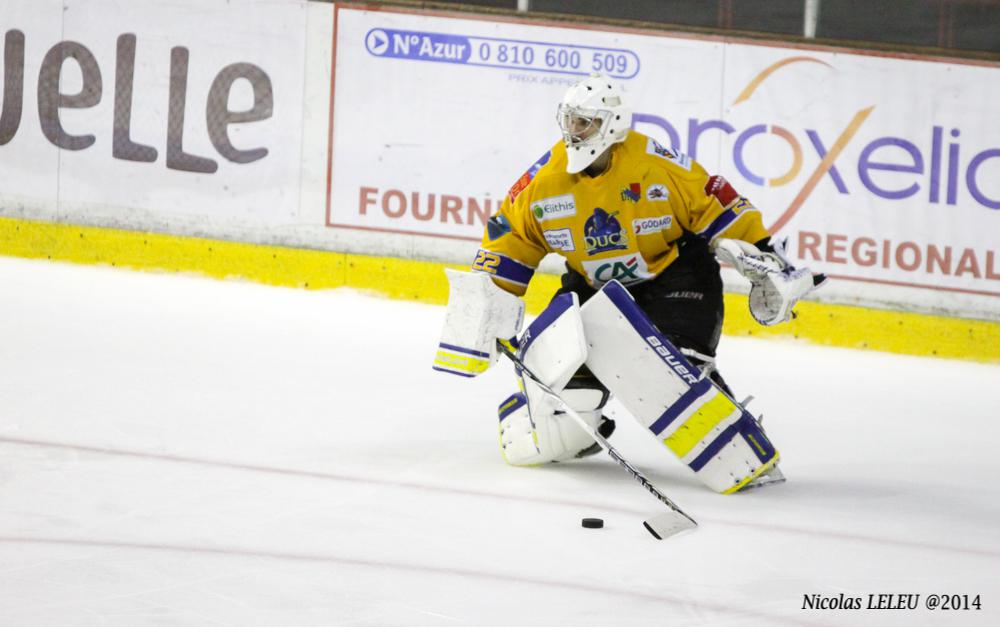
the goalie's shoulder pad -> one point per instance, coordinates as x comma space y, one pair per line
525, 179
719, 187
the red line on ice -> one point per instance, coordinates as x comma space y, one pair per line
294, 472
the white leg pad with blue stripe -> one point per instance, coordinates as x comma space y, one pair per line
709, 432
532, 429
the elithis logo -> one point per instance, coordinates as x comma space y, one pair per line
552, 208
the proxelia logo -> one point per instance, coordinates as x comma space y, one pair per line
936, 166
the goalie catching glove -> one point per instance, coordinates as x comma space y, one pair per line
775, 284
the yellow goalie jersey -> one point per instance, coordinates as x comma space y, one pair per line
623, 224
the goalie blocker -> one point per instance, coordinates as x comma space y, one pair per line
478, 313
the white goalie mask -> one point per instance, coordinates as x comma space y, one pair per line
592, 116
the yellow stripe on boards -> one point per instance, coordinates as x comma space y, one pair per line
424, 281
862, 328
699, 424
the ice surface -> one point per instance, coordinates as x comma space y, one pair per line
182, 451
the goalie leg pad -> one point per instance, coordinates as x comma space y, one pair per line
708, 431
533, 430
713, 435
553, 346
528, 439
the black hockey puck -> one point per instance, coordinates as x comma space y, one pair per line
593, 523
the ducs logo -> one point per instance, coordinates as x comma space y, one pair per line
602, 232
936, 166
52, 101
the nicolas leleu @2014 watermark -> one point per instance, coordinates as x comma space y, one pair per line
893, 601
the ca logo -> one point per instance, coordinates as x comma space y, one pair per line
626, 269
623, 272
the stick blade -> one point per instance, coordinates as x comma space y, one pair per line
668, 524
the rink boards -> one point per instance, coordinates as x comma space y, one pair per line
267, 141
833, 325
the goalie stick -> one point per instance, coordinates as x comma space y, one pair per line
662, 525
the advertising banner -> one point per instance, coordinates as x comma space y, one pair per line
399, 131
29, 166
182, 109
882, 171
